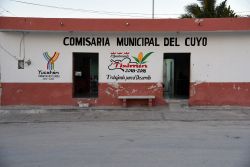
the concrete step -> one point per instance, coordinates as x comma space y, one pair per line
177, 104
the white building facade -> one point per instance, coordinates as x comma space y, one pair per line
72, 61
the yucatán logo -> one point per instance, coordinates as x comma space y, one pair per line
50, 73
51, 60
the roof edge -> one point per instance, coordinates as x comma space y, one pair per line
123, 25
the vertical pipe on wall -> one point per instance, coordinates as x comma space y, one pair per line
153, 9
22, 47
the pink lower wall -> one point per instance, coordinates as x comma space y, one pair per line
36, 94
61, 94
218, 94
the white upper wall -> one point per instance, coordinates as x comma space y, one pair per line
225, 58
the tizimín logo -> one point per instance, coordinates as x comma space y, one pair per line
126, 63
132, 67
50, 73
51, 60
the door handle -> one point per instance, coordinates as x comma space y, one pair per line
78, 73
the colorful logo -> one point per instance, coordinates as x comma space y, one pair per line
51, 60
122, 61
140, 59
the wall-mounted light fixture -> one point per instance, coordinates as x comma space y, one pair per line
28, 62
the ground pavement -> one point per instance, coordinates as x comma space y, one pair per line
172, 112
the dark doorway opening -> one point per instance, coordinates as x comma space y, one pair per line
176, 75
85, 74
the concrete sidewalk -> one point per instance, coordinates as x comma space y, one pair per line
173, 112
